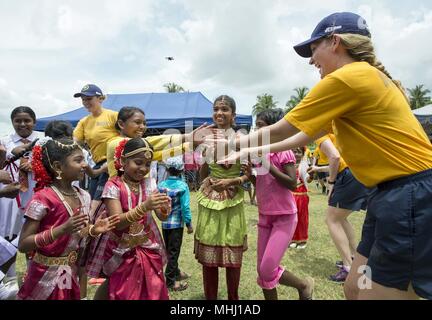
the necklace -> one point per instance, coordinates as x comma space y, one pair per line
134, 186
73, 194
66, 204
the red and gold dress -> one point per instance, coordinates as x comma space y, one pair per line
52, 274
134, 258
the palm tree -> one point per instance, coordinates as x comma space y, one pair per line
264, 102
418, 97
301, 93
173, 87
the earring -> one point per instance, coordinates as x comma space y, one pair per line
59, 173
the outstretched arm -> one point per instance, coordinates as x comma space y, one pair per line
287, 177
298, 140
268, 135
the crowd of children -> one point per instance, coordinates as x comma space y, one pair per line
117, 242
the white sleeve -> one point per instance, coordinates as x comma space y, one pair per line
303, 167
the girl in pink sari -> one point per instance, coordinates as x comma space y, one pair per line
56, 222
134, 255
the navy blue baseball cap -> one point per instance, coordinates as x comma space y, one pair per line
89, 90
336, 23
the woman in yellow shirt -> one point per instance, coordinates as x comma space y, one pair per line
96, 130
384, 146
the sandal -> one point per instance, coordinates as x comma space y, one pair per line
181, 287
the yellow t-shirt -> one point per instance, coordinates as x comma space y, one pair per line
342, 163
376, 131
160, 146
96, 132
321, 156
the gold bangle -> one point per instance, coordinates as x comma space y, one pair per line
90, 231
141, 209
36, 240
52, 234
134, 217
128, 214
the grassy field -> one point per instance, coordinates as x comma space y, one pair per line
317, 260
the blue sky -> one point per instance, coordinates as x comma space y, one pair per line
50, 49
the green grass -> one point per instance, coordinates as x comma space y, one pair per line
317, 260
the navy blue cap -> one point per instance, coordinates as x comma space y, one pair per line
89, 90
336, 23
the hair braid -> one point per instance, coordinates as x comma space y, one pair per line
361, 48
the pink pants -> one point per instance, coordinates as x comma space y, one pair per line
274, 236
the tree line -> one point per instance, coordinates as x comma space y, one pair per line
418, 98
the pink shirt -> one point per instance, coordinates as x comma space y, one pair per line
273, 198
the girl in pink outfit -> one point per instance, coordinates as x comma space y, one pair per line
135, 255
277, 217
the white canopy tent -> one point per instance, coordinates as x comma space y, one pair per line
424, 115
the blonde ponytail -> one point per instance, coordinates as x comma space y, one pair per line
361, 48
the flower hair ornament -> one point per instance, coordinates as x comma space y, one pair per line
41, 175
119, 152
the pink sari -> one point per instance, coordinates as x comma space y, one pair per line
52, 282
135, 271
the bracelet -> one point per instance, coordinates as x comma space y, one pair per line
52, 233
90, 232
43, 239
136, 214
128, 215
84, 231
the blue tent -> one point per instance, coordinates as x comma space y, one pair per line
163, 110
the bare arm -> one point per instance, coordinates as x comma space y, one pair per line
204, 171
298, 140
153, 202
333, 156
27, 239
93, 173
114, 208
30, 229
268, 135
287, 178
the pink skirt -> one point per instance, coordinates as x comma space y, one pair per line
139, 277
